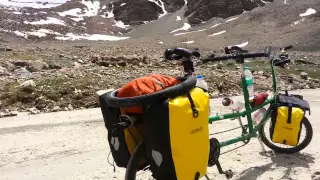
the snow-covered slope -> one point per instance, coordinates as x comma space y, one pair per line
228, 22
60, 20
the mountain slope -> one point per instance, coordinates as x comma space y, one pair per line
198, 22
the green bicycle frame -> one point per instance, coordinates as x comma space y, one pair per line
248, 111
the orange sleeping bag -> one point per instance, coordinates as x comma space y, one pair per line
145, 85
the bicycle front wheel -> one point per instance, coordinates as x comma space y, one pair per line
305, 138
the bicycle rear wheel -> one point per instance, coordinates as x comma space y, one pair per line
134, 164
279, 148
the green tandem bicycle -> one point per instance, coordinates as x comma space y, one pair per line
249, 130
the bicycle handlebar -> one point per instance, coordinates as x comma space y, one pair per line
213, 58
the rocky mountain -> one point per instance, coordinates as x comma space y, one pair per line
55, 54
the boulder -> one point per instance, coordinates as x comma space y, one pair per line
304, 75
136, 11
3, 71
9, 66
29, 84
37, 65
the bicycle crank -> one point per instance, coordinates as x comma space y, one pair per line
214, 153
214, 158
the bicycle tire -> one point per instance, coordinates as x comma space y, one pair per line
169, 92
304, 143
134, 163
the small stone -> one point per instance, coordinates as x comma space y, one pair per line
214, 94
238, 67
260, 72
22, 71
80, 61
33, 110
3, 71
28, 84
64, 69
77, 65
21, 63
56, 108
122, 63
55, 66
290, 79
304, 75
9, 66
70, 107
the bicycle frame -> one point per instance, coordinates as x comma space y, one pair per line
248, 111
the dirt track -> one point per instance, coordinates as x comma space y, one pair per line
73, 145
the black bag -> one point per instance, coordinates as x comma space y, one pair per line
122, 137
117, 142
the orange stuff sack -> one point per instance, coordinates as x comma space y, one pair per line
145, 85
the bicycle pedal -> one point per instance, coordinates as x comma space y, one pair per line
229, 174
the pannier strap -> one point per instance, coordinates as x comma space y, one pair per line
289, 114
193, 107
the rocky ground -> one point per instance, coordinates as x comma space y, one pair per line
55, 77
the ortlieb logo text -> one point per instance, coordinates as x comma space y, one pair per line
196, 130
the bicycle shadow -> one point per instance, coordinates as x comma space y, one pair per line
288, 161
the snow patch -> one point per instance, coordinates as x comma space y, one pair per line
71, 12
48, 31
50, 20
77, 19
185, 27
232, 19
18, 33
16, 12
185, 2
309, 12
298, 22
110, 14
122, 4
39, 33
120, 24
92, 7
188, 42
178, 34
38, 4
93, 37
215, 25
218, 33
160, 4
242, 44
178, 18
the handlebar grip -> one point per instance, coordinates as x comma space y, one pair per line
254, 55
182, 52
288, 47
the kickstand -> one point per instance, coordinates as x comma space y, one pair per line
228, 173
207, 177
261, 144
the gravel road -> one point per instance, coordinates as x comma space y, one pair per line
73, 145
